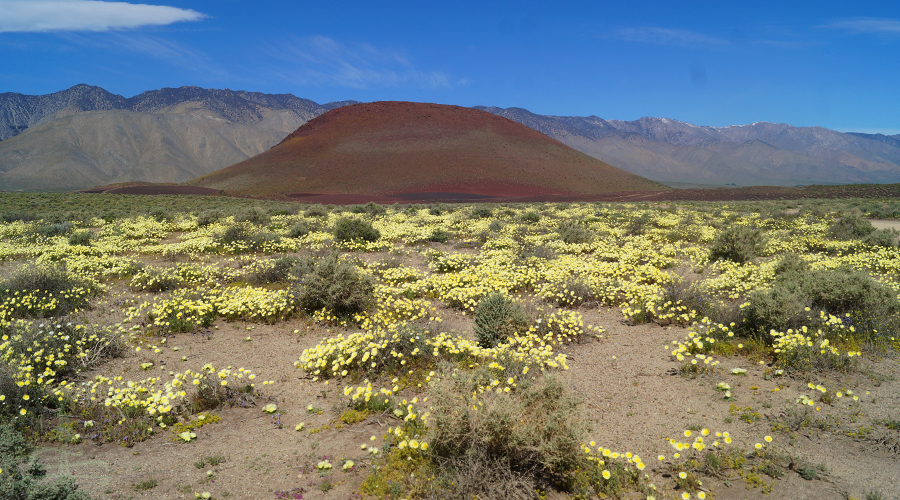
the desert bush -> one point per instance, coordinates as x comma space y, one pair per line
534, 431
638, 225
244, 234
298, 230
316, 211
280, 269
22, 474
348, 229
841, 291
571, 231
370, 208
481, 213
495, 226
880, 238
160, 215
208, 217
539, 252
335, 285
58, 229
531, 217
42, 291
497, 318
737, 244
779, 308
254, 215
851, 227
82, 238
8, 217
439, 235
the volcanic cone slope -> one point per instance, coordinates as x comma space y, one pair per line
392, 148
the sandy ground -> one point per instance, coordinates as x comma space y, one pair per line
632, 389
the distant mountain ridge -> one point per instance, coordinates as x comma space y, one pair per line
760, 153
86, 136
18, 112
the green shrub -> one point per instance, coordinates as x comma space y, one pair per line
208, 217
531, 217
244, 236
791, 263
779, 308
160, 215
335, 285
737, 244
871, 305
571, 232
254, 215
8, 217
497, 318
58, 229
439, 235
21, 476
298, 230
316, 211
82, 238
482, 213
638, 225
880, 238
495, 226
279, 269
347, 229
851, 227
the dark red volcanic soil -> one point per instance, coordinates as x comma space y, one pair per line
385, 149
149, 188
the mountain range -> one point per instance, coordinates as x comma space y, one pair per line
85, 136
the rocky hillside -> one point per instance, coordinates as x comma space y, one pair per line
85, 136
406, 149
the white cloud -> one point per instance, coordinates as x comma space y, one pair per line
666, 36
320, 60
86, 15
867, 25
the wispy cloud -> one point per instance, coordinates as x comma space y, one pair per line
667, 36
322, 61
867, 25
155, 47
86, 15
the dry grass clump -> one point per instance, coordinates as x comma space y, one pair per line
502, 444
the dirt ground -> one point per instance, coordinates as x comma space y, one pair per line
633, 391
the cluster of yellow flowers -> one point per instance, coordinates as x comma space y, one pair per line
37, 354
701, 441
604, 457
154, 395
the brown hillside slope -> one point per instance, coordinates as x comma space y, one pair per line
391, 148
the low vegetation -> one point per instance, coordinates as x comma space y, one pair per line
482, 410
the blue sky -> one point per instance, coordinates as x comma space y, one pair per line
831, 64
